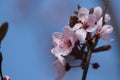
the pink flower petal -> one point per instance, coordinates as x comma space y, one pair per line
62, 60
57, 36
104, 37
77, 26
57, 50
61, 51
6, 78
81, 34
99, 23
98, 12
107, 17
63, 42
66, 51
91, 22
84, 18
60, 67
91, 29
73, 40
67, 31
106, 29
54, 43
82, 12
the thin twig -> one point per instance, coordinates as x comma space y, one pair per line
104, 10
1, 58
1, 76
87, 61
86, 64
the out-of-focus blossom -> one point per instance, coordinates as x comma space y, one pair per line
98, 12
6, 78
63, 42
60, 67
104, 30
100, 21
84, 12
87, 22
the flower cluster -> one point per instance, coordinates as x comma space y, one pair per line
85, 28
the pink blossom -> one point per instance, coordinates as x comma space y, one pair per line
99, 23
98, 12
86, 22
60, 67
6, 78
83, 12
104, 30
63, 42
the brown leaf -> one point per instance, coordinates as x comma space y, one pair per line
103, 48
79, 6
3, 30
73, 21
91, 11
76, 12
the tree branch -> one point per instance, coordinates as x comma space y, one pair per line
88, 57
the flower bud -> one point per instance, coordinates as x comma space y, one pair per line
95, 65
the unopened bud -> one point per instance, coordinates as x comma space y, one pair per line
91, 11
95, 65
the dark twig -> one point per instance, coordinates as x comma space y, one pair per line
104, 10
90, 48
1, 58
3, 31
86, 65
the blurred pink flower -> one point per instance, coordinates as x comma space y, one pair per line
84, 12
86, 22
60, 67
98, 12
63, 42
6, 78
104, 30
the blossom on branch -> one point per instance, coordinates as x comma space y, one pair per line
63, 42
104, 30
60, 66
80, 39
87, 22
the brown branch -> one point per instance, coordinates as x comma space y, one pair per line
86, 64
90, 48
104, 10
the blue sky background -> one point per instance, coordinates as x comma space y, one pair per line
26, 47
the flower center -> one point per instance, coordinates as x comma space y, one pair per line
97, 33
68, 43
65, 43
85, 25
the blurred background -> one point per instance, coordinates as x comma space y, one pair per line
26, 47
